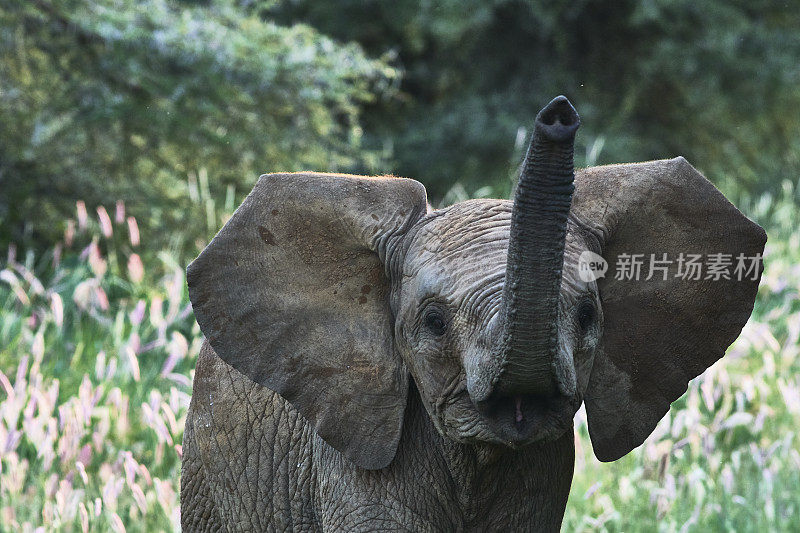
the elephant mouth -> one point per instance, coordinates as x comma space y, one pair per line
525, 418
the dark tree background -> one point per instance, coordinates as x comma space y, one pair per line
716, 81
176, 107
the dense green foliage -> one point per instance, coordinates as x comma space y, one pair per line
146, 101
132, 100
715, 81
95, 377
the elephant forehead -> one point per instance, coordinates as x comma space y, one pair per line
463, 248
467, 239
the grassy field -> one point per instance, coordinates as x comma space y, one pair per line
97, 351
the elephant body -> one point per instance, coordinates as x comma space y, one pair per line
374, 364
273, 473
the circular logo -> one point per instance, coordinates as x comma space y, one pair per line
591, 266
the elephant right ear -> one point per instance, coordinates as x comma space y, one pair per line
293, 293
667, 321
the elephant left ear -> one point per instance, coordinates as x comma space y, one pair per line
667, 322
293, 293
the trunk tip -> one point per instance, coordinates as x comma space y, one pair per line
558, 121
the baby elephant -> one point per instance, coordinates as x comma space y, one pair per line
374, 364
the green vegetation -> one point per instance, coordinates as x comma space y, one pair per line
97, 352
130, 130
135, 100
96, 377
710, 80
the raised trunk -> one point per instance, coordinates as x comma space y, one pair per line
535, 258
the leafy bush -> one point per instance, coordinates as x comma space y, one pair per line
133, 99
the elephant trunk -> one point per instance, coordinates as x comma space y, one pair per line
529, 312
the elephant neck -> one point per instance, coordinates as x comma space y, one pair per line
495, 487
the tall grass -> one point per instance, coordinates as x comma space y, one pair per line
96, 358
98, 346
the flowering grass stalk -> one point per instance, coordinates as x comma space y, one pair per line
96, 359
98, 346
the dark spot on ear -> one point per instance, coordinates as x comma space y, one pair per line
362, 300
374, 216
274, 212
366, 289
376, 276
325, 372
266, 236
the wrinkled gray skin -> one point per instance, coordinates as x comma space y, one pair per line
370, 366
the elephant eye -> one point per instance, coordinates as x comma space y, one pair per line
435, 322
586, 314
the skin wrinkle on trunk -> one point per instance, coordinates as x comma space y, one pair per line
536, 254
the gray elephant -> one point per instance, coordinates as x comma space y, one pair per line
373, 364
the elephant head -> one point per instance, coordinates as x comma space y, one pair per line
332, 290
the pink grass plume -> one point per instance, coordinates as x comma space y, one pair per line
105, 222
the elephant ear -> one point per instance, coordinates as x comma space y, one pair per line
293, 293
661, 332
